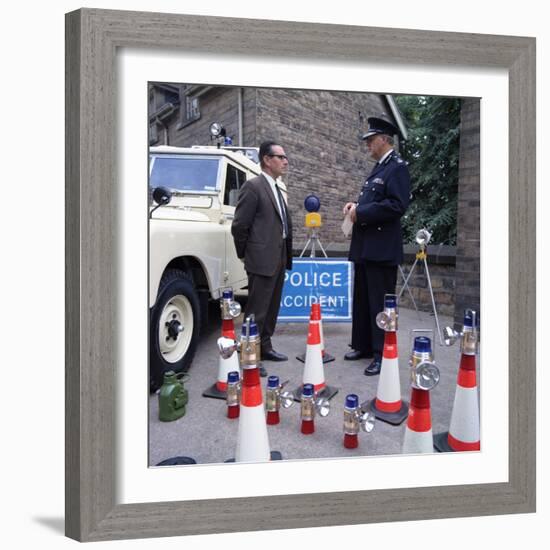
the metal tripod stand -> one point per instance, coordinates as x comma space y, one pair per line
422, 238
408, 290
313, 241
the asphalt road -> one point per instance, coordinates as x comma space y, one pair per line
208, 436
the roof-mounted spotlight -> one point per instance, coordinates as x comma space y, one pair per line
217, 130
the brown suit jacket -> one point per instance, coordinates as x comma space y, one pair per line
257, 229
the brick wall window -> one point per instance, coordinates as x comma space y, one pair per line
192, 111
190, 108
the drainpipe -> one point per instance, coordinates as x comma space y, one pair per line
161, 115
240, 116
164, 128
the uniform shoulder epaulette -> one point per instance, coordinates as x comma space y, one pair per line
400, 160
392, 156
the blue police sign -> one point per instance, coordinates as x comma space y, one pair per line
317, 280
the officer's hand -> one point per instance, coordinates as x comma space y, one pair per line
348, 207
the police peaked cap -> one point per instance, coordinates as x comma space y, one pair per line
380, 126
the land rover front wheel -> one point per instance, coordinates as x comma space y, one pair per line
174, 327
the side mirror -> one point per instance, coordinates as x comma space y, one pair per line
161, 196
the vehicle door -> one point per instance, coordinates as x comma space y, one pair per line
235, 177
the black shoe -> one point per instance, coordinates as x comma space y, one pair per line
263, 372
355, 355
272, 355
374, 368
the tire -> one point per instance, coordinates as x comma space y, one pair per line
174, 326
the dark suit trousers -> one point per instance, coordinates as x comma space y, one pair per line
264, 300
371, 282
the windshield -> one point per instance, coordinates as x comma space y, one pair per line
184, 173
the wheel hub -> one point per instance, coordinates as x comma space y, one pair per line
174, 328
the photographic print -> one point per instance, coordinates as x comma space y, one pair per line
366, 342
111, 492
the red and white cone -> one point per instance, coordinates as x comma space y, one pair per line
464, 428
313, 370
252, 438
316, 317
418, 432
463, 434
388, 405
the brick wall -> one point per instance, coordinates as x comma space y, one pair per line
468, 251
320, 132
218, 105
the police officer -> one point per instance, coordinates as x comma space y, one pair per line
376, 242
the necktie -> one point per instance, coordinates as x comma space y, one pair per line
283, 211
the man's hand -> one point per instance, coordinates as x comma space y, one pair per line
348, 207
349, 210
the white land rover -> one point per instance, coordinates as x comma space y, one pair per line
192, 257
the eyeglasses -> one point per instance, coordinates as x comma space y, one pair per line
280, 157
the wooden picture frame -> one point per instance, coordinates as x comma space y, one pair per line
92, 39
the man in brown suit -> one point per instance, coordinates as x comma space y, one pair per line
262, 231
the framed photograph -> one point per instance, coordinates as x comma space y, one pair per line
104, 499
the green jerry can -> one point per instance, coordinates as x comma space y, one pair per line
173, 396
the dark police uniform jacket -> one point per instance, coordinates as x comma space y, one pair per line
377, 234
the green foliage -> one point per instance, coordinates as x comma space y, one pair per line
432, 147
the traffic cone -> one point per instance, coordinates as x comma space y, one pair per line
463, 434
388, 405
424, 377
418, 432
252, 438
316, 317
225, 366
313, 370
